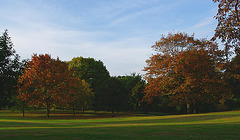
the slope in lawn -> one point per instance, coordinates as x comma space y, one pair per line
219, 125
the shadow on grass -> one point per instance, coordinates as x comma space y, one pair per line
67, 114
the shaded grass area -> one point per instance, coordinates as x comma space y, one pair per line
65, 114
218, 125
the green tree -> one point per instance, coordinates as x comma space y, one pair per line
112, 95
92, 71
86, 98
130, 82
82, 97
137, 94
232, 74
10, 69
21, 105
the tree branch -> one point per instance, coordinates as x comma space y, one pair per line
236, 9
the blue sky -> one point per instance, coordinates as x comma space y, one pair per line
118, 32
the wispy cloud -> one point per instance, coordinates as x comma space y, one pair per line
120, 57
118, 32
204, 28
204, 23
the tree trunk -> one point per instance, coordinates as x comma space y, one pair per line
236, 10
145, 109
74, 113
188, 108
113, 113
23, 109
83, 109
195, 108
48, 110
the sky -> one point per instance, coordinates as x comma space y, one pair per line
120, 33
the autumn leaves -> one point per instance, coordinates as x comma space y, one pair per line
194, 72
186, 70
47, 82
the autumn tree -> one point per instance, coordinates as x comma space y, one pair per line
228, 28
10, 69
186, 70
46, 82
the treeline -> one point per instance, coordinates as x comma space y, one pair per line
184, 75
80, 84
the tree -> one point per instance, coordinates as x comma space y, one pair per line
10, 69
232, 75
86, 97
46, 82
112, 95
187, 70
21, 104
92, 71
137, 94
82, 98
130, 82
228, 28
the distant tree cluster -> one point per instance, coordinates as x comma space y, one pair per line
48, 82
79, 84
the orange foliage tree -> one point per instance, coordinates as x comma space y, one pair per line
228, 27
47, 82
186, 70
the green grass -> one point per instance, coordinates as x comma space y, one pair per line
218, 125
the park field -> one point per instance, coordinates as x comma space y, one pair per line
217, 125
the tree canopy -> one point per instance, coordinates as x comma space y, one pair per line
92, 71
10, 69
185, 69
112, 95
232, 75
46, 82
228, 28
82, 97
134, 84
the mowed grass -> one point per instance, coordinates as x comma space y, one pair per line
218, 125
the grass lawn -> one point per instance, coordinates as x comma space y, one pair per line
218, 125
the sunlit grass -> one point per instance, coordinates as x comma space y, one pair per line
219, 125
